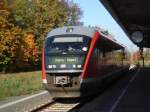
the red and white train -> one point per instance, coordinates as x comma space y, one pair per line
79, 61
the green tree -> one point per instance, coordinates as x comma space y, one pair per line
75, 14
40, 16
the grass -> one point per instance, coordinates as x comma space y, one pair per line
16, 84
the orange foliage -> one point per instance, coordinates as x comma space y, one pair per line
30, 48
136, 56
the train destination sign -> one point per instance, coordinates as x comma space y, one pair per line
70, 60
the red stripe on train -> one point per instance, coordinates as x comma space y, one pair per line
43, 65
93, 42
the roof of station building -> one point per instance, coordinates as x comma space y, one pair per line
131, 15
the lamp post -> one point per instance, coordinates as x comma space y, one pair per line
141, 54
137, 38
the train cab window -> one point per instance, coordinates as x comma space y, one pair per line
67, 44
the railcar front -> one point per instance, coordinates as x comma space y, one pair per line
63, 60
79, 61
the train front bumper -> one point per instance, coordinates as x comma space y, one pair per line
63, 92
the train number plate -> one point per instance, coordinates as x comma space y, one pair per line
61, 80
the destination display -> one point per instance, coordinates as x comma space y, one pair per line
68, 60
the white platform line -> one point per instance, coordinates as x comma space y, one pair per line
21, 100
123, 92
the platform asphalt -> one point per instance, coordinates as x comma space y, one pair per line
137, 98
129, 94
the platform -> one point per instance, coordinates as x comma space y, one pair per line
130, 94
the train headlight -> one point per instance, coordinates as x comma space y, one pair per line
74, 66
84, 48
79, 66
50, 66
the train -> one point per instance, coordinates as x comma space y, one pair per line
79, 61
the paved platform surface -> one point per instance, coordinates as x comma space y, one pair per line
130, 94
25, 103
137, 97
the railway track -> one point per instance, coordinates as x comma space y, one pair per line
56, 106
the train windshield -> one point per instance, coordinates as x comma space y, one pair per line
67, 44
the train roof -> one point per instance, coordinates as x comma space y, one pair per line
87, 31
111, 43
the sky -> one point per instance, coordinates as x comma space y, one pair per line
94, 14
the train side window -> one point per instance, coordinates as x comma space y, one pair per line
99, 49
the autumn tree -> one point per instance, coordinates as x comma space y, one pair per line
9, 37
146, 54
40, 16
29, 48
119, 56
19, 17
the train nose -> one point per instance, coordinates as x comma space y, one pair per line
63, 84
